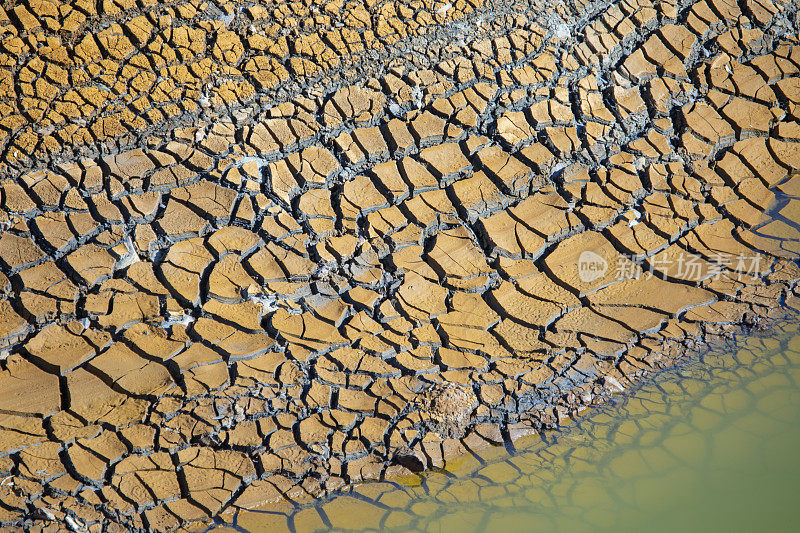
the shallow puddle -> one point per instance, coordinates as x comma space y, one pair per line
710, 445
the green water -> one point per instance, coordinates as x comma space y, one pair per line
709, 446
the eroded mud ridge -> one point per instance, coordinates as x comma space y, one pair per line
259, 252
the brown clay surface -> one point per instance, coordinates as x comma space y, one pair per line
254, 253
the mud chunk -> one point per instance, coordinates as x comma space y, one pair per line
28, 390
448, 409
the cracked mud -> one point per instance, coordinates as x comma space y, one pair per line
717, 431
257, 253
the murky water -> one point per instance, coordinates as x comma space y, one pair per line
709, 446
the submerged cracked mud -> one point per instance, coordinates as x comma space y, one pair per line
708, 445
257, 253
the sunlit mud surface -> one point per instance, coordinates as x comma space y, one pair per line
708, 446
263, 251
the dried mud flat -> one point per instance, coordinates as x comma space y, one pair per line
255, 252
